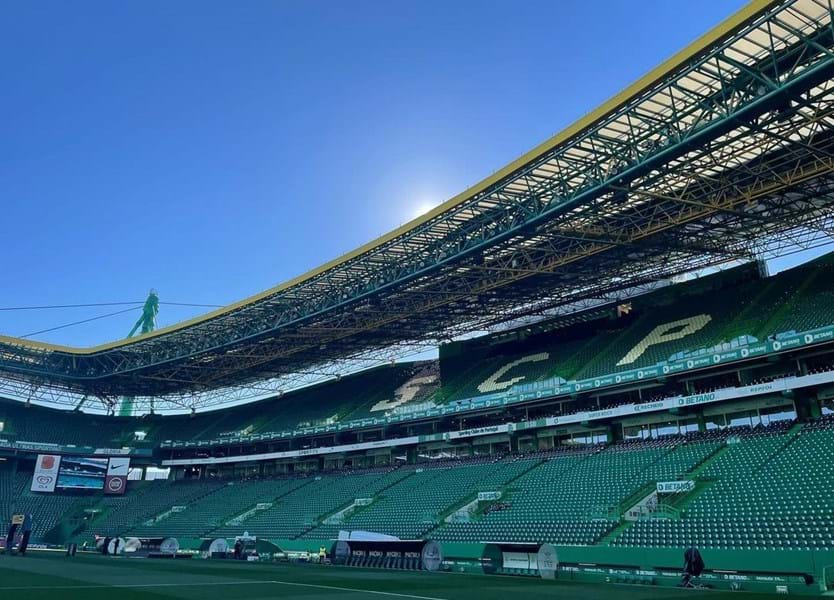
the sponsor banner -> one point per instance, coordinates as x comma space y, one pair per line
772, 387
547, 561
112, 451
486, 496
432, 556
115, 485
43, 447
674, 487
705, 359
620, 411
70, 449
118, 467
477, 431
516, 560
554, 387
46, 473
295, 453
115, 481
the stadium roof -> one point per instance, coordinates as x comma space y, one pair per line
725, 152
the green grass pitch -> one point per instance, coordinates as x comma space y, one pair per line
41, 576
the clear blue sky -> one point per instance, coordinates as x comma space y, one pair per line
214, 149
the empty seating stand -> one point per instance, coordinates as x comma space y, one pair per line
767, 491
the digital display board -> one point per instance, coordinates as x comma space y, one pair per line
80, 473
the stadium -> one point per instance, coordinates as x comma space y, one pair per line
622, 389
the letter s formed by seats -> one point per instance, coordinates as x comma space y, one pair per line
405, 393
667, 332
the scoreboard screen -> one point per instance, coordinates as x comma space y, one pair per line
80, 473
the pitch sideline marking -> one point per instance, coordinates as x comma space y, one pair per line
129, 585
361, 591
164, 585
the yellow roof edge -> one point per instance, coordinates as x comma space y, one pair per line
735, 20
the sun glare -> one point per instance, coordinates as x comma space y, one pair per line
422, 208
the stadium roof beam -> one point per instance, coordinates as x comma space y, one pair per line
710, 157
